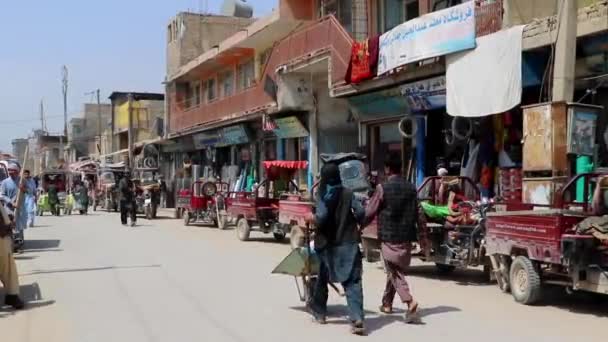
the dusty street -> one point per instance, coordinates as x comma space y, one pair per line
90, 279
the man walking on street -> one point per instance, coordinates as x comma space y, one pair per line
337, 244
8, 269
127, 200
30, 198
9, 188
395, 203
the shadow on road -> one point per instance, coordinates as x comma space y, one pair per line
43, 250
577, 302
465, 277
268, 239
89, 269
25, 257
40, 244
338, 314
31, 295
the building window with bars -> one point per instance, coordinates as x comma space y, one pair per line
226, 81
210, 89
392, 13
246, 75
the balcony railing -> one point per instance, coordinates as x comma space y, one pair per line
243, 103
324, 35
327, 34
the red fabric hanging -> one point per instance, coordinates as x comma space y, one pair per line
363, 61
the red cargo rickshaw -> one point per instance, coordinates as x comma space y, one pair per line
205, 202
260, 208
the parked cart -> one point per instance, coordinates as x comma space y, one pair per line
260, 208
205, 203
562, 244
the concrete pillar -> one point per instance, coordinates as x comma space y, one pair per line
420, 150
424, 6
565, 51
313, 147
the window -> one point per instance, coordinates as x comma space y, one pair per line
246, 75
264, 56
392, 13
341, 9
210, 89
226, 81
196, 93
192, 94
443, 4
169, 33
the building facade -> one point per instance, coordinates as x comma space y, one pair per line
227, 106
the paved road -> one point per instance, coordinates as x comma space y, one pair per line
90, 279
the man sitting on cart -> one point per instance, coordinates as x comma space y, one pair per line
337, 244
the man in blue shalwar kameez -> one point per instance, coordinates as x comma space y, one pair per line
9, 188
337, 244
30, 198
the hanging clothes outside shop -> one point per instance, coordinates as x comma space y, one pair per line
496, 85
364, 60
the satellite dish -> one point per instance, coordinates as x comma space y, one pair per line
237, 8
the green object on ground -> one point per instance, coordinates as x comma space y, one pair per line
435, 211
298, 263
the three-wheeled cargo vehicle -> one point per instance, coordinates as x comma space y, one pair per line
260, 208
565, 243
205, 203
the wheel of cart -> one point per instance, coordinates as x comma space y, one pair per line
205, 203
260, 208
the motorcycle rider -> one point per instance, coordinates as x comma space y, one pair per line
127, 199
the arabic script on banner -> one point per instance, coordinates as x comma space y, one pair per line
434, 34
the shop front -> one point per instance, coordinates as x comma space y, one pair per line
228, 154
287, 138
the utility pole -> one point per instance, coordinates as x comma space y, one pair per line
565, 51
42, 121
130, 131
98, 116
64, 82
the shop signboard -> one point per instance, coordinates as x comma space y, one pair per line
432, 35
206, 139
426, 94
234, 135
290, 127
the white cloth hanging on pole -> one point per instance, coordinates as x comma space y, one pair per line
488, 79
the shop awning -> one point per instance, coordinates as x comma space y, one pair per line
487, 80
286, 164
380, 104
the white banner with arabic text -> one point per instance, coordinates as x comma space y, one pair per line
434, 34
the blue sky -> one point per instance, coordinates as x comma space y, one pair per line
110, 45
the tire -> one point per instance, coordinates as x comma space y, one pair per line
148, 212
154, 211
524, 281
296, 237
243, 229
279, 237
467, 133
444, 269
187, 218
